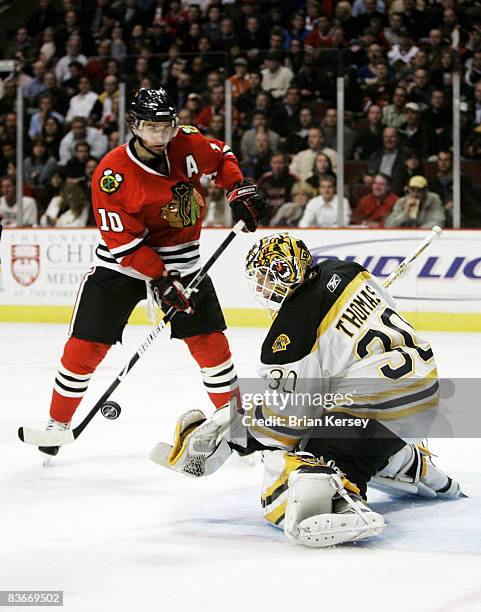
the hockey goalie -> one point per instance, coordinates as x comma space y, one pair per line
335, 335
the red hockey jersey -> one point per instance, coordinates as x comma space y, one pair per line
151, 220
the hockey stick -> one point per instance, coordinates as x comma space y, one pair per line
59, 438
405, 263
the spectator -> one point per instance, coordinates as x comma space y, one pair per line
388, 160
396, 29
277, 183
240, 80
297, 30
73, 207
248, 142
48, 50
343, 16
373, 208
442, 184
287, 111
68, 208
322, 211
75, 167
216, 107
52, 134
44, 17
416, 134
70, 85
216, 127
420, 90
259, 163
290, 213
369, 11
297, 140
8, 156
275, 77
439, 117
253, 38
8, 100
402, 53
85, 103
39, 166
379, 90
9, 209
370, 138
366, 73
329, 125
320, 35
303, 162
36, 85
80, 131
473, 74
23, 47
60, 99
419, 208
142, 71
107, 99
37, 122
393, 114
52, 189
246, 102
413, 165
414, 20
322, 167
62, 70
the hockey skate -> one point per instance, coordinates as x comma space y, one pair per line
49, 452
411, 470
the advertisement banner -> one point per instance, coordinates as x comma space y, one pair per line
43, 267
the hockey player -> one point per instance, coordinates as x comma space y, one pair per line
336, 335
148, 205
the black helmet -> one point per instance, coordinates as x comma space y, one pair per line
153, 105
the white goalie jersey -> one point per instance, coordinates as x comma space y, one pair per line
339, 353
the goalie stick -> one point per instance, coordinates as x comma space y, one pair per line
60, 438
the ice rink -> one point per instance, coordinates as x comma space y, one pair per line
116, 532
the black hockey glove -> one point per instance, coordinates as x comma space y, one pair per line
247, 204
169, 291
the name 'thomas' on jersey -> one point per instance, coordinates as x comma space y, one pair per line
340, 338
150, 214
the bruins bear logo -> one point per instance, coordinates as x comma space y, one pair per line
280, 343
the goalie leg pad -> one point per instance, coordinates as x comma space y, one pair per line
321, 513
313, 503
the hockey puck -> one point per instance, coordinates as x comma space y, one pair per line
111, 410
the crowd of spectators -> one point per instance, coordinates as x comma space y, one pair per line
282, 58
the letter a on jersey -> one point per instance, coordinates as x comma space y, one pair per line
191, 166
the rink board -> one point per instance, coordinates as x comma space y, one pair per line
42, 268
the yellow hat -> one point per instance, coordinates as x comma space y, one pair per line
418, 181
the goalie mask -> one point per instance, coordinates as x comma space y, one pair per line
154, 119
275, 266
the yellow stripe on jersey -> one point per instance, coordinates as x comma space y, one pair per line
384, 415
288, 443
339, 304
397, 391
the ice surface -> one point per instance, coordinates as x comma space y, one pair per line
116, 532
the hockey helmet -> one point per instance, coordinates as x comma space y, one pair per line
154, 116
275, 266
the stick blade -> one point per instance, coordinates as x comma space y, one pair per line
45, 438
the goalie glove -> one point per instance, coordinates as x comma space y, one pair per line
247, 204
170, 292
200, 446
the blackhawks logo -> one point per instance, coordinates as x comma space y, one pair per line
185, 207
280, 343
110, 181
